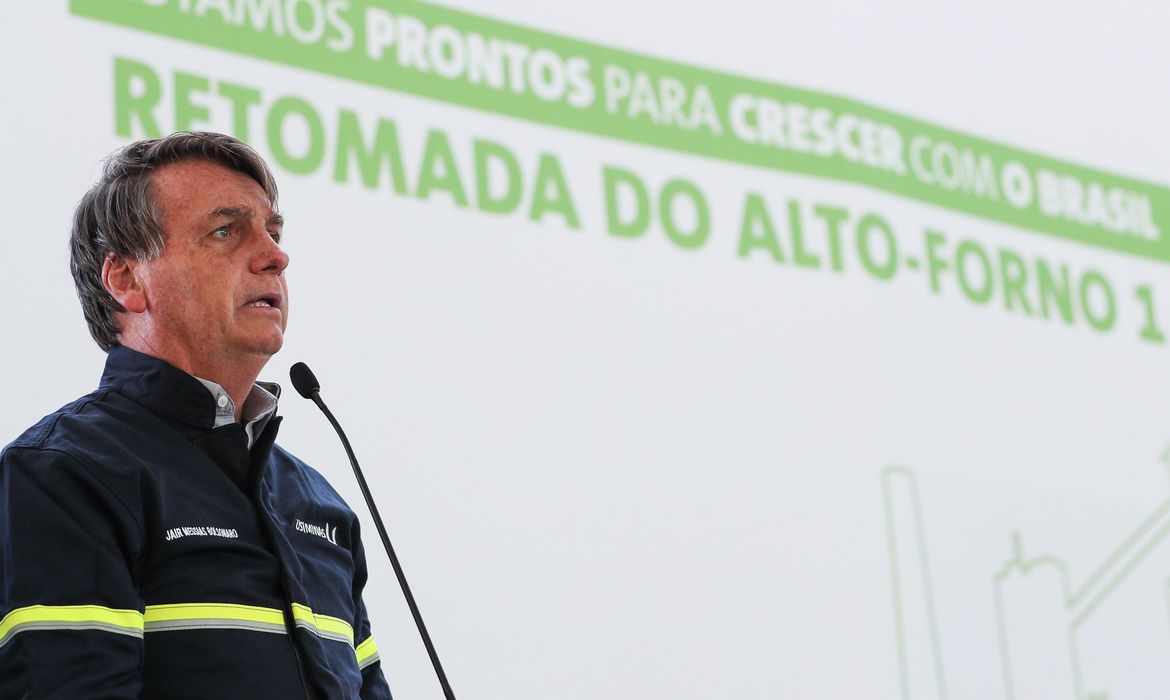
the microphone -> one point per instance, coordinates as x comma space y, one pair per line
306, 384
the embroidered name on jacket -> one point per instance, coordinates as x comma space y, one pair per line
177, 532
323, 531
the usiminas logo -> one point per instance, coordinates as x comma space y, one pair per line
323, 531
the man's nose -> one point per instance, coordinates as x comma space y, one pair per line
268, 256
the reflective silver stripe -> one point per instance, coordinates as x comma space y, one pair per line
322, 633
375, 658
100, 626
212, 623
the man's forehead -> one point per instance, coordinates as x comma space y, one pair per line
211, 189
200, 168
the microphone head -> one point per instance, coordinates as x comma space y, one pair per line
303, 380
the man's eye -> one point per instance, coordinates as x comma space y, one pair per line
275, 236
223, 232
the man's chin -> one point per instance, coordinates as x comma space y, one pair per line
266, 347
272, 348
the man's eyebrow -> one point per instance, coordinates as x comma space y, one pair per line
230, 212
274, 219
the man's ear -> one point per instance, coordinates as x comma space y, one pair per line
120, 278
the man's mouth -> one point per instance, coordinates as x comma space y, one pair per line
264, 302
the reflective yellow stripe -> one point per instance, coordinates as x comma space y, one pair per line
323, 625
70, 617
367, 652
180, 616
195, 611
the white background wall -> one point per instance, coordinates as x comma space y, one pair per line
613, 468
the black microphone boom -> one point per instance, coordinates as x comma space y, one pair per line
306, 384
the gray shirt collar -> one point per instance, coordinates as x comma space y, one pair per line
259, 407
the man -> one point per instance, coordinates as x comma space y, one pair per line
154, 543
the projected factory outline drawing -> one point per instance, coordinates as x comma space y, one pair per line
1105, 638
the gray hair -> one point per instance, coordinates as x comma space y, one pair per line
120, 216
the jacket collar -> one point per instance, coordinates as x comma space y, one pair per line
161, 387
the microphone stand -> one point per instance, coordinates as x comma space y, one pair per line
307, 386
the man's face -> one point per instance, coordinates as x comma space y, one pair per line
217, 294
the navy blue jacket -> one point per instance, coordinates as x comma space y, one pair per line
146, 554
